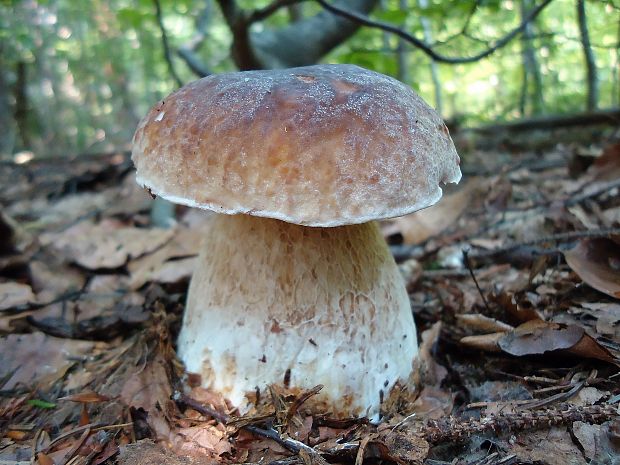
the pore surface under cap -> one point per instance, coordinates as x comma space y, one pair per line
321, 145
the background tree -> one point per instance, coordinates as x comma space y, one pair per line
76, 76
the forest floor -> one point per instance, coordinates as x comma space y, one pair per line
514, 279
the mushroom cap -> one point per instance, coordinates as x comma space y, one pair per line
323, 145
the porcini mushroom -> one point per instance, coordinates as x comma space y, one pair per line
295, 282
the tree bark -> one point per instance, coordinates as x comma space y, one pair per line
6, 120
592, 102
428, 37
531, 90
303, 42
21, 105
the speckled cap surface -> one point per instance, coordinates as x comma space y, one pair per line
321, 145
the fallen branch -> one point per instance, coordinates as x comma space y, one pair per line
457, 430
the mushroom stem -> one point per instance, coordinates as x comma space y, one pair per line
274, 302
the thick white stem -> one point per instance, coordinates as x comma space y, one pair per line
272, 300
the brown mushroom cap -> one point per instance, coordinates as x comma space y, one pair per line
321, 145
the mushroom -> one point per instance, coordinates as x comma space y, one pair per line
295, 283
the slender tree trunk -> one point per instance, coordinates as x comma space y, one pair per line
428, 38
21, 105
592, 102
402, 61
532, 88
6, 119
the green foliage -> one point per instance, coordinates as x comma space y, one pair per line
94, 68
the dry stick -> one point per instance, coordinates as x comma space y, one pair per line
166, 46
595, 193
473, 276
290, 444
560, 237
454, 430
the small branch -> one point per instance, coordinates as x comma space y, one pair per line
192, 62
560, 237
164, 39
263, 13
288, 443
364, 20
456, 430
595, 193
473, 276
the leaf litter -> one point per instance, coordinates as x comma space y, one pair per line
518, 365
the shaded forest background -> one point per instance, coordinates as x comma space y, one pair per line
76, 76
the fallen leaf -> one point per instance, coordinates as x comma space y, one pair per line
14, 294
484, 342
479, 322
171, 263
38, 359
402, 447
538, 337
551, 447
421, 225
107, 244
150, 390
146, 452
607, 165
596, 442
597, 263
86, 397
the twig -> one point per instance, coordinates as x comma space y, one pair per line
595, 193
560, 237
200, 408
164, 39
366, 21
288, 443
457, 430
263, 13
473, 276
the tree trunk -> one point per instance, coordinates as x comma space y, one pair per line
428, 38
21, 105
532, 88
592, 102
303, 42
6, 121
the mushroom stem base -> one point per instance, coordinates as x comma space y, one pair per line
273, 302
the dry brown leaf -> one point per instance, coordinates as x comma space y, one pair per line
483, 323
13, 294
484, 342
517, 313
596, 442
607, 165
44, 459
86, 397
38, 359
597, 263
427, 372
171, 263
433, 403
146, 452
201, 440
551, 447
402, 447
150, 389
107, 244
538, 337
420, 226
